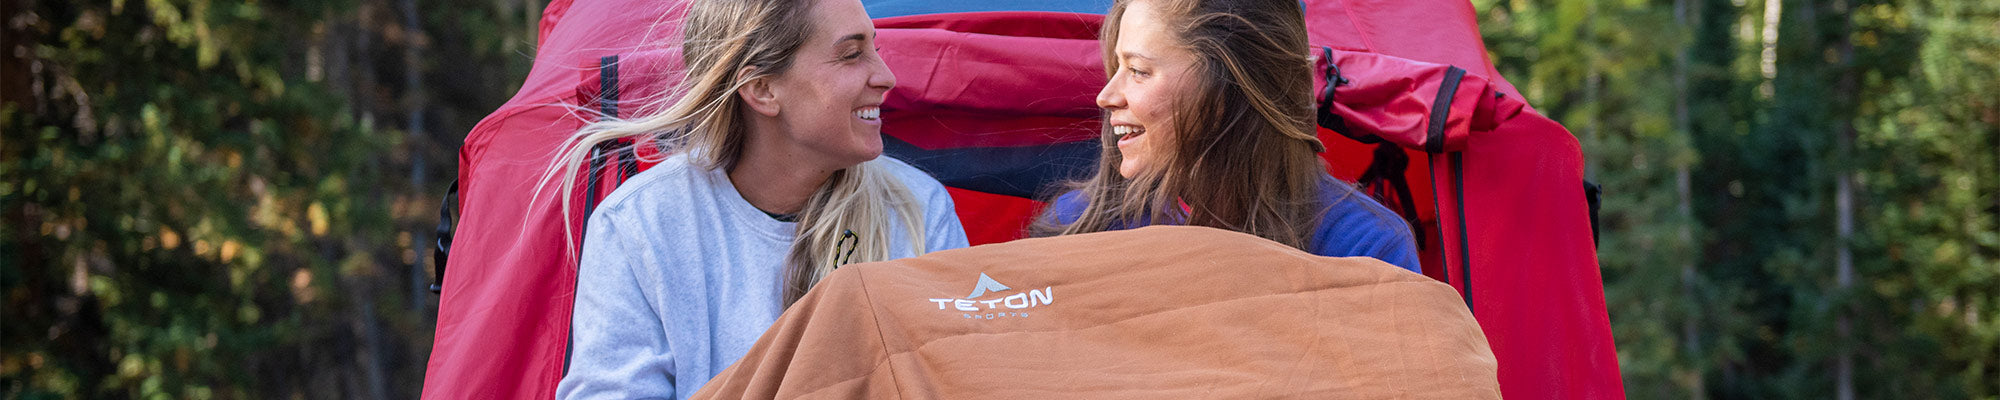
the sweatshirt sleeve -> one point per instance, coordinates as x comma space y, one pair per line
942, 231
618, 349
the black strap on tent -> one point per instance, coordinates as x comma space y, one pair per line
1434, 144
607, 103
628, 162
1384, 178
1464, 239
594, 178
1385, 181
1591, 192
600, 155
447, 218
607, 83
1441, 109
1329, 120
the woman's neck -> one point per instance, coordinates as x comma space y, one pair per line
774, 176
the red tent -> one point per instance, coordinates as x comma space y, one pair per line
995, 98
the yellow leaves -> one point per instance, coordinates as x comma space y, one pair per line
169, 239
132, 366
149, 118
207, 50
1948, 253
169, 17
316, 218
229, 248
187, 27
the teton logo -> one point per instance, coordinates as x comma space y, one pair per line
1010, 306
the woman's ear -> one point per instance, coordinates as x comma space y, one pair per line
757, 92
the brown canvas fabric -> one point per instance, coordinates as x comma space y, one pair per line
1156, 312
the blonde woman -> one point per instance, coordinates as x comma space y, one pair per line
776, 179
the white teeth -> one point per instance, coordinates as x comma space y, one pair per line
1126, 130
870, 113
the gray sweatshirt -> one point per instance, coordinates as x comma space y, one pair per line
680, 275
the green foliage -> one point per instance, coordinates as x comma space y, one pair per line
202, 198
1917, 81
1931, 142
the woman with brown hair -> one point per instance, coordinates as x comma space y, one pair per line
1209, 122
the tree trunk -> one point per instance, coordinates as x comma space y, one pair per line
1767, 61
414, 100
1684, 207
367, 326
1844, 202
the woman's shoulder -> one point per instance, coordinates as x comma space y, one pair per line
1067, 207
665, 182
1353, 210
1356, 225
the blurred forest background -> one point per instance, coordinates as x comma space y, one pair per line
234, 198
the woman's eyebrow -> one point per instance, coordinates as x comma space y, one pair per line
844, 39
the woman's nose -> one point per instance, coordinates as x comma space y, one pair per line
882, 78
1113, 94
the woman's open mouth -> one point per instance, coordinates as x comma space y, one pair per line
1127, 132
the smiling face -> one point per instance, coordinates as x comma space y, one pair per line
830, 99
1151, 70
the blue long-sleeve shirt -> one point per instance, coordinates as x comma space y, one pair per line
1354, 225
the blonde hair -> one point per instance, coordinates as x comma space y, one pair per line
844, 221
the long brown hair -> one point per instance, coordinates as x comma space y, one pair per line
1244, 156
845, 221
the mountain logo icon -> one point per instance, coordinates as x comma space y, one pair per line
987, 285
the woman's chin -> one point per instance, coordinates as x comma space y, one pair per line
1130, 168
865, 152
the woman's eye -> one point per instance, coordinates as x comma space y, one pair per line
851, 56
1139, 72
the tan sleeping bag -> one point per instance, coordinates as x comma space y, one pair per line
1150, 313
